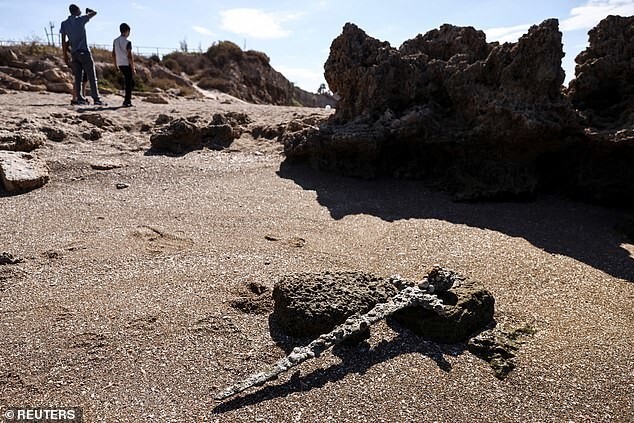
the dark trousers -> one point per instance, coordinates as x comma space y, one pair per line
128, 82
82, 62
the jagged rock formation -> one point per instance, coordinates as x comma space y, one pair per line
600, 167
446, 105
604, 86
481, 120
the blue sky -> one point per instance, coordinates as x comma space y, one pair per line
297, 35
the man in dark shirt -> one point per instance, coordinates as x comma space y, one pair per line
74, 41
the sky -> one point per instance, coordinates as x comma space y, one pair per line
296, 35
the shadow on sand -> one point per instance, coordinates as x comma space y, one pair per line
584, 232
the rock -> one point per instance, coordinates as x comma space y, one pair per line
93, 135
162, 119
219, 136
98, 120
11, 83
178, 136
8, 258
474, 118
59, 87
3, 91
105, 165
56, 75
184, 134
122, 185
23, 140
156, 99
469, 309
309, 304
499, 347
21, 171
54, 134
604, 85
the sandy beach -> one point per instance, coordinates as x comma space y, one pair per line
123, 303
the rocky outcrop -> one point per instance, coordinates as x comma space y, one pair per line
481, 120
599, 167
247, 75
477, 117
603, 89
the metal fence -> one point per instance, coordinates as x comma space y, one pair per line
139, 50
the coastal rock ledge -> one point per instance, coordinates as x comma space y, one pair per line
480, 120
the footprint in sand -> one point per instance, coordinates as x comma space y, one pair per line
158, 240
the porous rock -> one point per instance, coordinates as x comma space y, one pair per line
184, 134
604, 85
310, 304
22, 171
178, 136
447, 106
468, 308
22, 140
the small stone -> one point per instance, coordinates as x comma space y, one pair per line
122, 185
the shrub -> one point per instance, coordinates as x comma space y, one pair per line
212, 83
172, 65
189, 63
259, 55
222, 52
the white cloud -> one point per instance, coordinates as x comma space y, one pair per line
585, 17
257, 23
202, 30
506, 33
588, 15
137, 6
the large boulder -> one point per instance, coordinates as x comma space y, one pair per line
476, 116
21, 171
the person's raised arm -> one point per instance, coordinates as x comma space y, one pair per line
90, 13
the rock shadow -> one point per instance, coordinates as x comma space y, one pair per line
357, 359
581, 231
